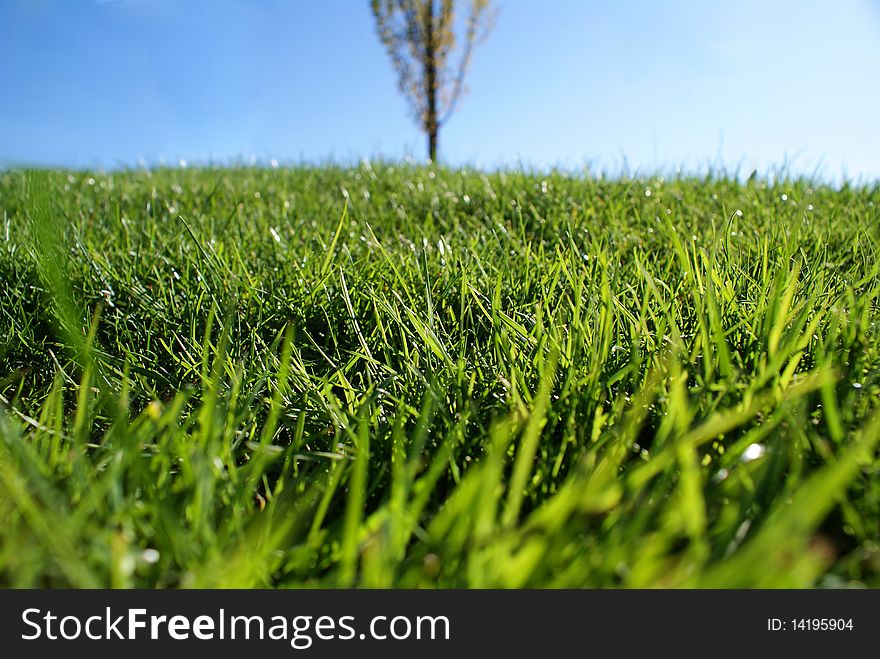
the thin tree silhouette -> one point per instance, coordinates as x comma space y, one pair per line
420, 37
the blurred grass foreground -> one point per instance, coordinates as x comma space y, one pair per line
396, 376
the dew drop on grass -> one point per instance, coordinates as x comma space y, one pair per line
753, 452
150, 556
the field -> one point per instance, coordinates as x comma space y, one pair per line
397, 376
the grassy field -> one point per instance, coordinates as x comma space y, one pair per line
397, 376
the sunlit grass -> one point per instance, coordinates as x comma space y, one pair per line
407, 377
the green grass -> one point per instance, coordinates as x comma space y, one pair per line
396, 376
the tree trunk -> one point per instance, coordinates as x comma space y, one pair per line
432, 144
430, 120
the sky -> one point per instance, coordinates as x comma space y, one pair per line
641, 86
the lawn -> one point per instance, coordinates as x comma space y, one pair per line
398, 376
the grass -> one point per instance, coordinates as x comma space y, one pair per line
390, 376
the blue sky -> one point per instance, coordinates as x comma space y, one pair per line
654, 85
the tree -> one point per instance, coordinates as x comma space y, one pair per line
419, 36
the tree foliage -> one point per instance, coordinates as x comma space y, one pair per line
420, 37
